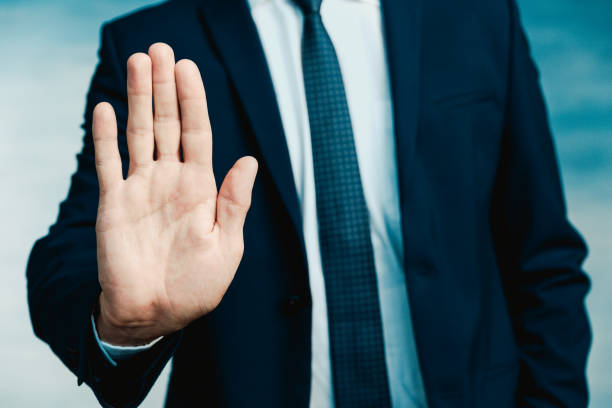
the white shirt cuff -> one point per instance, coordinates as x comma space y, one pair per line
115, 353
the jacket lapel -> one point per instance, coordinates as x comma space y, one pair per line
235, 37
402, 22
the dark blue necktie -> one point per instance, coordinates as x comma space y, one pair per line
355, 328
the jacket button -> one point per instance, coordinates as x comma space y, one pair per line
425, 268
293, 303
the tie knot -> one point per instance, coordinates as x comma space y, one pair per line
309, 6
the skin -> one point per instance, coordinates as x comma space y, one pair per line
168, 241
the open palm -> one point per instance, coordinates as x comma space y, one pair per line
168, 243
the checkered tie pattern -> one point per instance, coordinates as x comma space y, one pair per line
355, 327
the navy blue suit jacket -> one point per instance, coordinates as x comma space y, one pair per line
493, 267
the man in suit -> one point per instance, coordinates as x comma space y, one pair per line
407, 243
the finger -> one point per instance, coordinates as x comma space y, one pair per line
196, 135
108, 160
166, 122
140, 103
234, 197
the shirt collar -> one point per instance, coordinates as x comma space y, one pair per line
256, 3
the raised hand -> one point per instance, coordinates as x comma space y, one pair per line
168, 243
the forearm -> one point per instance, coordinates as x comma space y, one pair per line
61, 291
545, 293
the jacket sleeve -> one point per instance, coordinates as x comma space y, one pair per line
540, 254
62, 269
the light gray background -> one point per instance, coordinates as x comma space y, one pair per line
47, 57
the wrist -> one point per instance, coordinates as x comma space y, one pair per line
119, 333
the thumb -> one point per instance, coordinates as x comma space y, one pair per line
234, 197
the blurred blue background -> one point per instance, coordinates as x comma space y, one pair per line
48, 53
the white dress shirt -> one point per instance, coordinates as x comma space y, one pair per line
355, 28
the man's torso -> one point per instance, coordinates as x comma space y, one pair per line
448, 117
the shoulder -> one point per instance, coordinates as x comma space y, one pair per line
149, 16
464, 22
493, 11
169, 21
